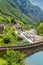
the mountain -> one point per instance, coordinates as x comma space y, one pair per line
29, 9
23, 10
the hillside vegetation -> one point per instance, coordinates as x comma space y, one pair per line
39, 29
8, 10
11, 57
20, 10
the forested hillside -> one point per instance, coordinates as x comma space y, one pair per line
20, 9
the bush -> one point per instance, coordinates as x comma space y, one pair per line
27, 27
39, 29
3, 62
10, 31
9, 35
1, 42
15, 63
13, 57
13, 21
6, 40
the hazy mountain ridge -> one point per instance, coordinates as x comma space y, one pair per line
30, 10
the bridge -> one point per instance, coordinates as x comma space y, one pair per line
26, 49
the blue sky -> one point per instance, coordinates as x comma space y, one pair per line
38, 3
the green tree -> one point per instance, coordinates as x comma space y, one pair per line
27, 27
39, 29
13, 21
14, 57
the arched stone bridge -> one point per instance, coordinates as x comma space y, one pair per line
27, 49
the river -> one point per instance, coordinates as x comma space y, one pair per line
35, 59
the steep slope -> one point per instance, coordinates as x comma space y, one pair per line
30, 10
9, 8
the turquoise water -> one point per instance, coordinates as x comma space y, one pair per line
35, 59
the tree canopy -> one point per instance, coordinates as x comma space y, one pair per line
40, 29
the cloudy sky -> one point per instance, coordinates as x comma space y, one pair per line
38, 3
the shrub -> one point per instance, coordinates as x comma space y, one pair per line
13, 21
10, 31
39, 29
15, 63
9, 35
3, 62
1, 42
6, 40
13, 57
27, 27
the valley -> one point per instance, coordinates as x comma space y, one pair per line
21, 33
